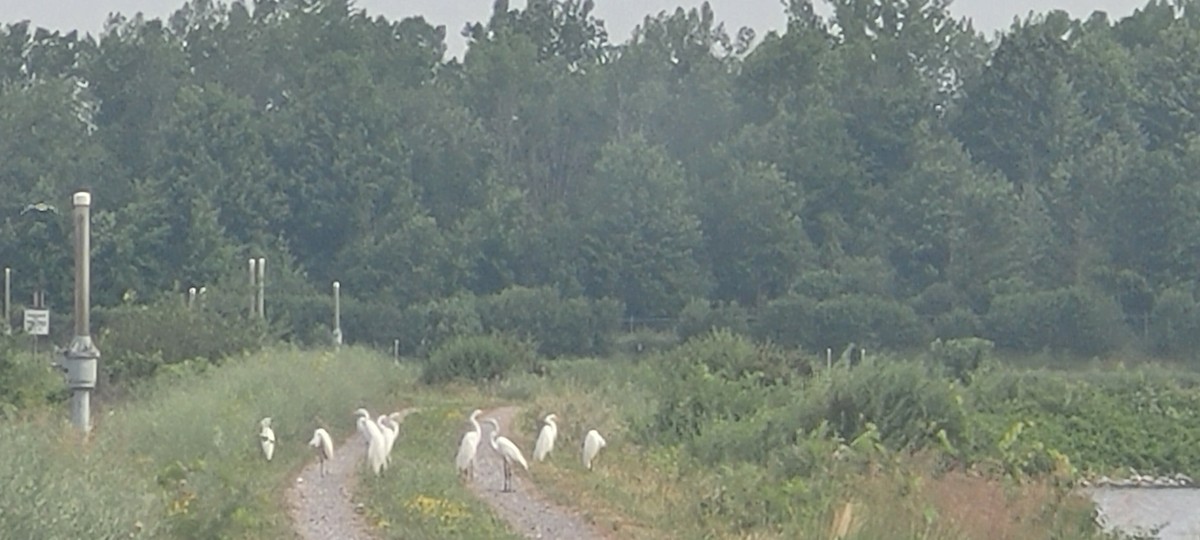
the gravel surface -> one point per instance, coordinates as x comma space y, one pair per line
321, 507
525, 510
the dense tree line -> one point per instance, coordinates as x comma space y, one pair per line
884, 175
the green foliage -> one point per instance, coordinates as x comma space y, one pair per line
432, 324
136, 340
26, 381
1177, 322
559, 326
841, 320
481, 357
700, 317
960, 357
152, 470
1074, 319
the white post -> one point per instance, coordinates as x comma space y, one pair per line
82, 355
396, 350
7, 301
262, 277
828, 358
253, 289
337, 314
191, 297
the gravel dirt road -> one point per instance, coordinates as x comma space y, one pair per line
322, 508
527, 512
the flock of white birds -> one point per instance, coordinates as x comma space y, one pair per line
380, 436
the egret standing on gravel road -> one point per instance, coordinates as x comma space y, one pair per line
465, 460
508, 452
266, 437
545, 440
592, 443
376, 445
323, 445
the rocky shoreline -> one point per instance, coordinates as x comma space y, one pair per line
1136, 480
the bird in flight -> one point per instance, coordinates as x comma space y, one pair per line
39, 207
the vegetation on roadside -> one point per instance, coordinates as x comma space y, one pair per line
181, 460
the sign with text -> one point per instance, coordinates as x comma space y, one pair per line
37, 322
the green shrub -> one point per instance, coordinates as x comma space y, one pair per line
841, 320
1071, 319
1176, 329
135, 340
960, 357
478, 358
560, 326
434, 323
700, 316
956, 323
26, 381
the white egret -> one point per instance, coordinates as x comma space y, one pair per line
266, 437
323, 445
592, 443
545, 440
376, 445
508, 453
465, 460
390, 428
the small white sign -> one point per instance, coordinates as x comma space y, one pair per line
37, 322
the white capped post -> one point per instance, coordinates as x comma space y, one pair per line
191, 297
262, 281
8, 301
82, 355
337, 314
253, 288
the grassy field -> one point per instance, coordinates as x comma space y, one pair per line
181, 459
651, 491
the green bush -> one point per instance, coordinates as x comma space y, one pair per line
1176, 329
956, 323
26, 381
135, 340
700, 317
960, 357
1072, 319
481, 357
434, 323
841, 320
560, 326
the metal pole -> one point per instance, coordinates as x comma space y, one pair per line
8, 301
337, 314
82, 355
253, 289
262, 290
396, 350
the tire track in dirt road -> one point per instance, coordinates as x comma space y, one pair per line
527, 512
322, 508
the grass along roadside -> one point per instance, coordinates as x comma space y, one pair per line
660, 491
182, 460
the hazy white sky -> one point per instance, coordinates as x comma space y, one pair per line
620, 15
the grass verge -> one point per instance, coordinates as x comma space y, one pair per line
182, 460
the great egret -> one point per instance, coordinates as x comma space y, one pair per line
266, 437
39, 207
376, 445
508, 452
323, 445
465, 460
592, 443
390, 428
545, 440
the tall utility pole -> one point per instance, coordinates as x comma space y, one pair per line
82, 355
